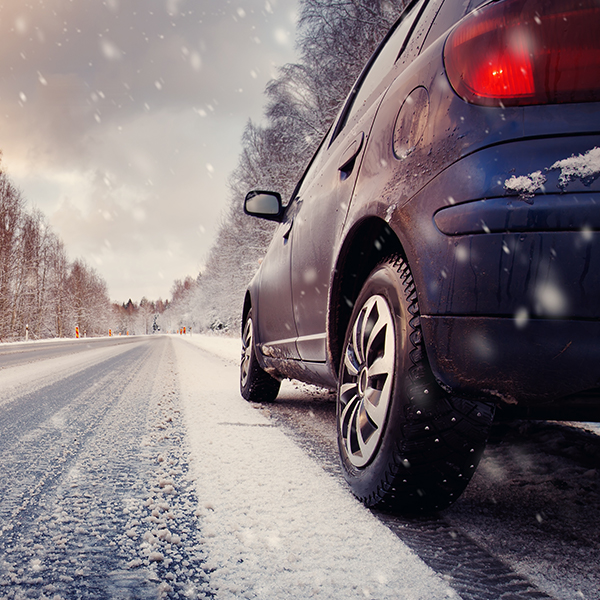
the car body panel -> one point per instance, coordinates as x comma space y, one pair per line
325, 201
508, 281
543, 361
273, 300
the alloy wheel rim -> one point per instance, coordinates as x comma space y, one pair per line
366, 381
246, 352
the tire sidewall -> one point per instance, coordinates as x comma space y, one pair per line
245, 388
384, 281
259, 385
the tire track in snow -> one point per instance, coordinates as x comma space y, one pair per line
308, 416
42, 432
96, 502
23, 353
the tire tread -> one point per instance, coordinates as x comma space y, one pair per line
442, 438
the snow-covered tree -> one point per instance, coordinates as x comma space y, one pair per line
41, 293
335, 40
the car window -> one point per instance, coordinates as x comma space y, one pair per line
474, 4
450, 13
381, 63
315, 161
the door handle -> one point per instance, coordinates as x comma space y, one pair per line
292, 214
286, 235
350, 155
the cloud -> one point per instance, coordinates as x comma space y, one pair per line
113, 113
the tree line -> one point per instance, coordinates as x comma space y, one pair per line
131, 318
42, 293
334, 41
45, 295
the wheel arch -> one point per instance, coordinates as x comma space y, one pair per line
368, 242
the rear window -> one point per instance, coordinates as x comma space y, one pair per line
381, 64
450, 13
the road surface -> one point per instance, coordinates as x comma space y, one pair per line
131, 468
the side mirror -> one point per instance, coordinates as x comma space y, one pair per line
266, 205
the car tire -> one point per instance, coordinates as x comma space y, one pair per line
405, 444
256, 385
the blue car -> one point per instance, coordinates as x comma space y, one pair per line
439, 260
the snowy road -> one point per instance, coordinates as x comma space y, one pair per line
12, 355
136, 471
89, 463
133, 469
526, 527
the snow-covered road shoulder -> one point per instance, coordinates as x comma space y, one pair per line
23, 379
229, 348
274, 524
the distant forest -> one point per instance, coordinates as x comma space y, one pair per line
44, 295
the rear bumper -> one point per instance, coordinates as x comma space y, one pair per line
509, 285
477, 249
531, 362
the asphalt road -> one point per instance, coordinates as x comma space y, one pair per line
92, 448
84, 456
12, 355
528, 524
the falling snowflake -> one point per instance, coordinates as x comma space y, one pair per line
550, 300
110, 50
195, 61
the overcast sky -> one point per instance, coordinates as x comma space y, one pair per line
121, 121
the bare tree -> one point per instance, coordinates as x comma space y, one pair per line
11, 214
41, 293
89, 300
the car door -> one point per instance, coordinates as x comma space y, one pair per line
327, 192
273, 309
273, 305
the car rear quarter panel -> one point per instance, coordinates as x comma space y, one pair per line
466, 155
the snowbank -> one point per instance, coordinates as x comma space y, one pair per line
274, 524
229, 348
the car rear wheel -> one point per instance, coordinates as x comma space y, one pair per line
256, 385
405, 444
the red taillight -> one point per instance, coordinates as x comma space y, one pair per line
518, 52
